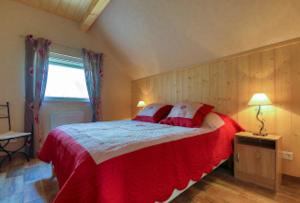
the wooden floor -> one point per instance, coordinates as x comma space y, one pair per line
22, 181
222, 187
31, 182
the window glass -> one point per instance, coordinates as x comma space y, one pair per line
66, 79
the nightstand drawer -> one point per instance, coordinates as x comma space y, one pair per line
257, 142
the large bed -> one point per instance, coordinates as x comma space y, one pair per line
133, 161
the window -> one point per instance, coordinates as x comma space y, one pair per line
66, 79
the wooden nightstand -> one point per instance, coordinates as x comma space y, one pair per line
257, 159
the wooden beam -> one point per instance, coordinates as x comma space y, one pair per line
95, 9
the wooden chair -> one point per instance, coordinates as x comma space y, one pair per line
5, 138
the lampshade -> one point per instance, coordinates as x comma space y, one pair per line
141, 104
259, 99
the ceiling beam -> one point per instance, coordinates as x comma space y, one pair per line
95, 9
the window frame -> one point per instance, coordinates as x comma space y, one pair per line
70, 62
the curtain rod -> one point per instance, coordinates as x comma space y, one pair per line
62, 45
59, 44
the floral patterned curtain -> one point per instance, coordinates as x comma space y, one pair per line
93, 75
36, 71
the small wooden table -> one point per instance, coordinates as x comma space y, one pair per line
5, 140
257, 159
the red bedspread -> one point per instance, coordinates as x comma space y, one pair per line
146, 175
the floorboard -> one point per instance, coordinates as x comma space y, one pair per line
31, 182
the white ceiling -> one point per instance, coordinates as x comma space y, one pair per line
153, 36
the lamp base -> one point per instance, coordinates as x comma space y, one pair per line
262, 128
260, 134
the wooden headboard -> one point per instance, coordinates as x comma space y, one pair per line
229, 82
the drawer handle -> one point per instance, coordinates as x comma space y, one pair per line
237, 157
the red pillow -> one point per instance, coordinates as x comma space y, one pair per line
153, 113
187, 114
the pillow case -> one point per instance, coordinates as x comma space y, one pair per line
187, 114
213, 120
153, 113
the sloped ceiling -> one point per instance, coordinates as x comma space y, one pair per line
153, 36
73, 10
84, 12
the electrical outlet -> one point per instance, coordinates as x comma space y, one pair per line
287, 155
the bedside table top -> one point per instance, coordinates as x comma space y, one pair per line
251, 135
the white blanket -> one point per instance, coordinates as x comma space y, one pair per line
106, 140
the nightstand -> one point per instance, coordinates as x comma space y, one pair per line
257, 159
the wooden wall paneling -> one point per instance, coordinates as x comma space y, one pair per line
61, 9
196, 86
185, 84
255, 85
142, 90
243, 89
169, 92
172, 87
135, 97
294, 137
228, 83
157, 86
268, 86
283, 96
178, 86
229, 93
160, 84
179, 94
213, 85
192, 86
191, 78
204, 81
53, 6
222, 88
151, 88
167, 83
149, 91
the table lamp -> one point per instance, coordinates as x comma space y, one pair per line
141, 104
260, 99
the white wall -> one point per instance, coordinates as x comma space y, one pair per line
17, 19
161, 35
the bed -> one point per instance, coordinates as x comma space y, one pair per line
133, 161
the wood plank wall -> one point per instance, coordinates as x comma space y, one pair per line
229, 82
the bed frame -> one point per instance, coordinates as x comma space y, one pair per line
176, 192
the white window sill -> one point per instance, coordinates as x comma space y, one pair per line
66, 99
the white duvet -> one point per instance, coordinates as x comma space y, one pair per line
106, 140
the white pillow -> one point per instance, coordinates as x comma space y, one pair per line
213, 120
150, 109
